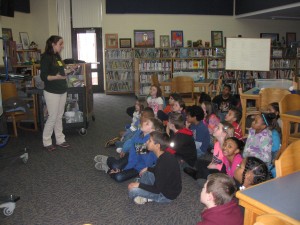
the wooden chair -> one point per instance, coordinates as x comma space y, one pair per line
9, 90
155, 81
269, 95
291, 102
184, 86
271, 219
266, 97
289, 161
218, 87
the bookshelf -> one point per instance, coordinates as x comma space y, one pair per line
119, 71
144, 68
138, 64
30, 99
282, 65
169, 62
28, 56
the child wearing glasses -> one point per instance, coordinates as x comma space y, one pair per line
259, 141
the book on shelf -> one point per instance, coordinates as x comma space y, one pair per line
184, 53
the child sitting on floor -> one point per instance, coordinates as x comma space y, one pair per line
163, 114
220, 206
138, 158
234, 116
250, 172
177, 106
259, 141
211, 120
205, 167
155, 100
224, 101
161, 183
232, 149
130, 130
194, 121
182, 143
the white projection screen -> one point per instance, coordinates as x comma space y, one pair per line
248, 54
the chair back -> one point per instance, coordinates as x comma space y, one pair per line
290, 102
271, 219
218, 86
154, 80
269, 95
8, 90
289, 160
183, 85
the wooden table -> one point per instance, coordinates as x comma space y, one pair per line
252, 94
287, 118
201, 84
279, 196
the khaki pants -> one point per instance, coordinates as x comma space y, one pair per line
56, 107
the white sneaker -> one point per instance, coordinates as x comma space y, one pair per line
119, 150
141, 200
102, 166
101, 158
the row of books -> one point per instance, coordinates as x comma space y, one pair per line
180, 64
247, 76
117, 75
216, 64
155, 65
283, 63
189, 64
119, 54
146, 78
277, 74
30, 56
123, 65
120, 86
178, 52
214, 74
201, 52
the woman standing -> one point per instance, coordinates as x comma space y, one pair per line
55, 92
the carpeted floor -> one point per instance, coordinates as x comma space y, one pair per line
63, 187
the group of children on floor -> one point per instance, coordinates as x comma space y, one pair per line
162, 141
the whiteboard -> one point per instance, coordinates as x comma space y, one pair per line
248, 54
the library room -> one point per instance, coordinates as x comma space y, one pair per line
150, 112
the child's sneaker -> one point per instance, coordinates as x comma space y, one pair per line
101, 166
112, 142
119, 150
141, 200
101, 158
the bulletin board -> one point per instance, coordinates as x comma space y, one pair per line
248, 54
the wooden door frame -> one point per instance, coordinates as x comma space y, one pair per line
100, 87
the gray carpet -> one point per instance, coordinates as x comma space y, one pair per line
63, 187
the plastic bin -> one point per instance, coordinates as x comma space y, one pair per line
273, 83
